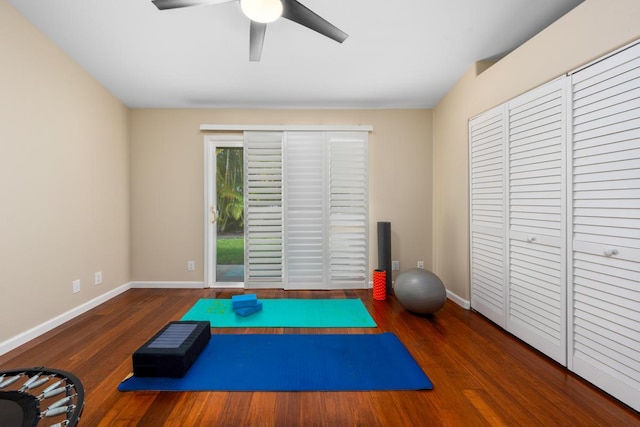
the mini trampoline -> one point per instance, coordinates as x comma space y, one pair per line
40, 397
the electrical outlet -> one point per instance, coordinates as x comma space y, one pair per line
75, 286
420, 264
191, 265
395, 265
97, 278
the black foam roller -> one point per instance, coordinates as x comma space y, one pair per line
384, 252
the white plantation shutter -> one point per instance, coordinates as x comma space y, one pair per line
537, 241
604, 344
307, 209
263, 209
488, 250
348, 209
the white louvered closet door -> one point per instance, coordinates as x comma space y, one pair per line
263, 209
488, 243
604, 299
536, 302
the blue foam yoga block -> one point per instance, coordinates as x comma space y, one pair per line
246, 311
247, 300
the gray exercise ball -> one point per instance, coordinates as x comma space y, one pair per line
420, 291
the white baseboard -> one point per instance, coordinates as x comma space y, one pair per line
36, 331
233, 285
460, 301
167, 285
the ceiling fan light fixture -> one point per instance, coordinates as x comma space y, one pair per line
263, 11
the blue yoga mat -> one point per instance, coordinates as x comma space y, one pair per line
285, 313
292, 362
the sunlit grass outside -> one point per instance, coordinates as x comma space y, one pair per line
230, 251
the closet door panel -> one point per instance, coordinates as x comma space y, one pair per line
536, 311
604, 298
488, 252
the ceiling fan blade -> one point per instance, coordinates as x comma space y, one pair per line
174, 4
296, 12
256, 40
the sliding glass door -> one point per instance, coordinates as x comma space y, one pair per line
225, 212
287, 209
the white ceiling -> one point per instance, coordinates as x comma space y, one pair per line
399, 54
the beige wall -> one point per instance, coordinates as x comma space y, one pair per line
63, 181
168, 186
78, 170
594, 28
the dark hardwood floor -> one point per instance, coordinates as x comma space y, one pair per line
482, 375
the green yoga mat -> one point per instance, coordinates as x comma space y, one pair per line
285, 313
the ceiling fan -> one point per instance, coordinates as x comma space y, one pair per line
261, 12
